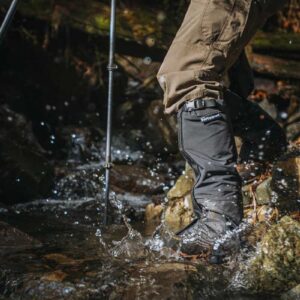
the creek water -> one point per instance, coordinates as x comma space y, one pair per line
70, 255
82, 261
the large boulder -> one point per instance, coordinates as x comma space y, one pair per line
136, 179
275, 267
26, 173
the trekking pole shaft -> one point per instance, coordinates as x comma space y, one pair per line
111, 69
8, 18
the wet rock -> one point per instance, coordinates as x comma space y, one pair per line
260, 214
263, 192
129, 146
293, 131
12, 239
179, 209
56, 276
276, 265
4, 208
60, 259
179, 213
183, 185
81, 182
286, 181
257, 232
168, 281
174, 280
79, 144
136, 179
26, 172
54, 289
153, 212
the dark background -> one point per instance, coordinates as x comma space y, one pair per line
53, 83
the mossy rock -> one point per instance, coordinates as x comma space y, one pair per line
276, 266
179, 209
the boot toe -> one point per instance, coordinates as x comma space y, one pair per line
197, 238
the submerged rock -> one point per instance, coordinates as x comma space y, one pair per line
56, 276
12, 239
60, 259
167, 282
276, 265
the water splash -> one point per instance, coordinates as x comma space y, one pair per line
231, 239
131, 246
98, 234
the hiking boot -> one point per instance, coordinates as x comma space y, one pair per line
202, 234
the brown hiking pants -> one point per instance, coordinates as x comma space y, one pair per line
211, 38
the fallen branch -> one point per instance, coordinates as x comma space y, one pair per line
275, 67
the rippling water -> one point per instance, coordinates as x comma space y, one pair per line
77, 259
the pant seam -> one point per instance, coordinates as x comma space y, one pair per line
225, 23
189, 160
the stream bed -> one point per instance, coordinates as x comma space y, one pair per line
69, 256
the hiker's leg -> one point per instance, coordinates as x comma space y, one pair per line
211, 38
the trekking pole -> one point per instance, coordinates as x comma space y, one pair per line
111, 69
8, 18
